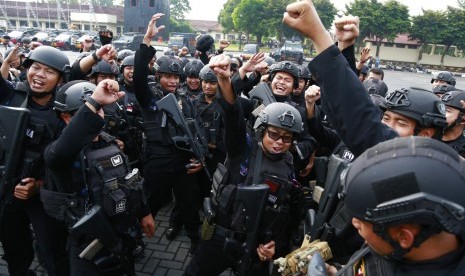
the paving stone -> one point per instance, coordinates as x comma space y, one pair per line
171, 264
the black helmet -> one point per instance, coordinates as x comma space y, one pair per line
269, 60
50, 57
280, 115
169, 65
70, 97
443, 88
444, 76
375, 86
192, 68
207, 74
25, 40
288, 67
304, 73
453, 98
7, 52
396, 182
127, 61
418, 104
123, 54
104, 67
204, 43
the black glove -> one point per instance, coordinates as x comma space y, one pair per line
105, 36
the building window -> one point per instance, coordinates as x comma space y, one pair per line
133, 3
152, 3
412, 47
400, 45
23, 23
64, 26
13, 23
387, 44
86, 27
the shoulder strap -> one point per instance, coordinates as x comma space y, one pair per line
257, 164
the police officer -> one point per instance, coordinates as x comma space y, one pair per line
454, 134
192, 85
411, 225
103, 70
122, 55
443, 77
266, 160
92, 188
298, 94
165, 168
11, 66
46, 68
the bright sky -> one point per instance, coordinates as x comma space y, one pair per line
209, 9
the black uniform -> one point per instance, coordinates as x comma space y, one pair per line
165, 169
348, 107
372, 264
241, 163
85, 173
16, 235
458, 144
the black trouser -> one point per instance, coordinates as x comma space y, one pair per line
16, 238
111, 264
210, 260
184, 186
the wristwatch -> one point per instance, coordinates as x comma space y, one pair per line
93, 102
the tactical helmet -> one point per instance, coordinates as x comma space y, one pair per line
304, 73
123, 54
418, 104
192, 68
25, 40
207, 74
204, 43
453, 98
269, 60
7, 52
280, 115
396, 182
70, 96
443, 88
127, 61
104, 67
50, 57
375, 86
288, 67
444, 76
169, 65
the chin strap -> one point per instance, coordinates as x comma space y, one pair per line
399, 252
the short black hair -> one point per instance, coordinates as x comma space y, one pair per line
377, 71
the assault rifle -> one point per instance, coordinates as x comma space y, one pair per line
195, 140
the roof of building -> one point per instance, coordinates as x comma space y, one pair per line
400, 39
50, 10
205, 25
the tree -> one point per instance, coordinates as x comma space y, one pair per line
326, 10
225, 16
452, 30
181, 26
178, 8
426, 27
247, 17
274, 17
380, 21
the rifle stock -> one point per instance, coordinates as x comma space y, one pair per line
263, 93
253, 199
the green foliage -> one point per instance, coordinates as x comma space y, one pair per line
247, 17
225, 16
326, 11
180, 26
178, 8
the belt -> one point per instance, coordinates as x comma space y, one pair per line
223, 232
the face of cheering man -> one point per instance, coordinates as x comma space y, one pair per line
128, 72
169, 82
282, 83
42, 78
193, 83
277, 140
209, 88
